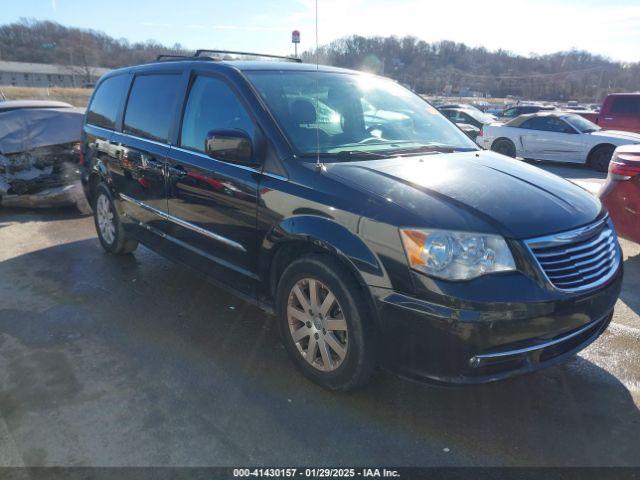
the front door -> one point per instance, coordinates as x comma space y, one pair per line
213, 203
551, 138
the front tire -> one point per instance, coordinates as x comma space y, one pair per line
600, 157
325, 324
110, 231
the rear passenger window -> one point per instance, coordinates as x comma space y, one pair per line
107, 101
626, 105
151, 106
212, 105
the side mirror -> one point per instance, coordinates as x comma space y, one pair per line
230, 146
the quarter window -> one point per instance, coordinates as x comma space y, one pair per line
107, 101
212, 105
151, 107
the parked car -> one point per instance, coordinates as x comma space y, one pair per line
560, 137
619, 111
39, 154
621, 192
517, 110
466, 106
398, 244
464, 116
8, 105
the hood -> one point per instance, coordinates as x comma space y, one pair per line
30, 128
473, 191
617, 136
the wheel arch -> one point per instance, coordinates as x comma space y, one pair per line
597, 146
305, 234
504, 138
99, 173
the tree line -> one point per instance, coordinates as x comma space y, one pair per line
49, 42
443, 67
448, 67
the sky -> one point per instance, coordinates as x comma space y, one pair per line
610, 28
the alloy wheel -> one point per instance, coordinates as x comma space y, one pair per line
106, 220
317, 324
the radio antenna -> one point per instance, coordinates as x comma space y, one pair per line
318, 163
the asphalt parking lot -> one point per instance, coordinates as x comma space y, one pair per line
136, 361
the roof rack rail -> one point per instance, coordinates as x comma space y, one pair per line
251, 54
168, 57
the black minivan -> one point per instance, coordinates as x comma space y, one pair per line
372, 227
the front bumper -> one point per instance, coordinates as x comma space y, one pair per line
463, 343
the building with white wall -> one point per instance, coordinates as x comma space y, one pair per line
21, 74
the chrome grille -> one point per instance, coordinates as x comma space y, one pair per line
579, 259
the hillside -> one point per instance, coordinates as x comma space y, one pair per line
430, 68
50, 42
454, 67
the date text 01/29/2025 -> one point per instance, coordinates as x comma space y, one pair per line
315, 473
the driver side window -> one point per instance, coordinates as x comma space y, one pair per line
212, 105
547, 124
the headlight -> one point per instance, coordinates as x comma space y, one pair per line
456, 255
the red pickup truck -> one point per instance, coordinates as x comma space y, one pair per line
619, 111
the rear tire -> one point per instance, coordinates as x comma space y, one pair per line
329, 335
600, 157
504, 146
111, 233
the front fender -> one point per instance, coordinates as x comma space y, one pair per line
328, 235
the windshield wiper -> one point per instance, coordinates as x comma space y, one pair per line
427, 148
346, 155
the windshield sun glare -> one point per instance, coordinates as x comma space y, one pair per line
329, 113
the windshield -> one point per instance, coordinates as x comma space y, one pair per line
582, 124
329, 113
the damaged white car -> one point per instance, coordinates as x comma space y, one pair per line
39, 154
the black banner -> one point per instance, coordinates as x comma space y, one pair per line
404, 473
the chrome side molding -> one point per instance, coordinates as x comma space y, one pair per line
183, 223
